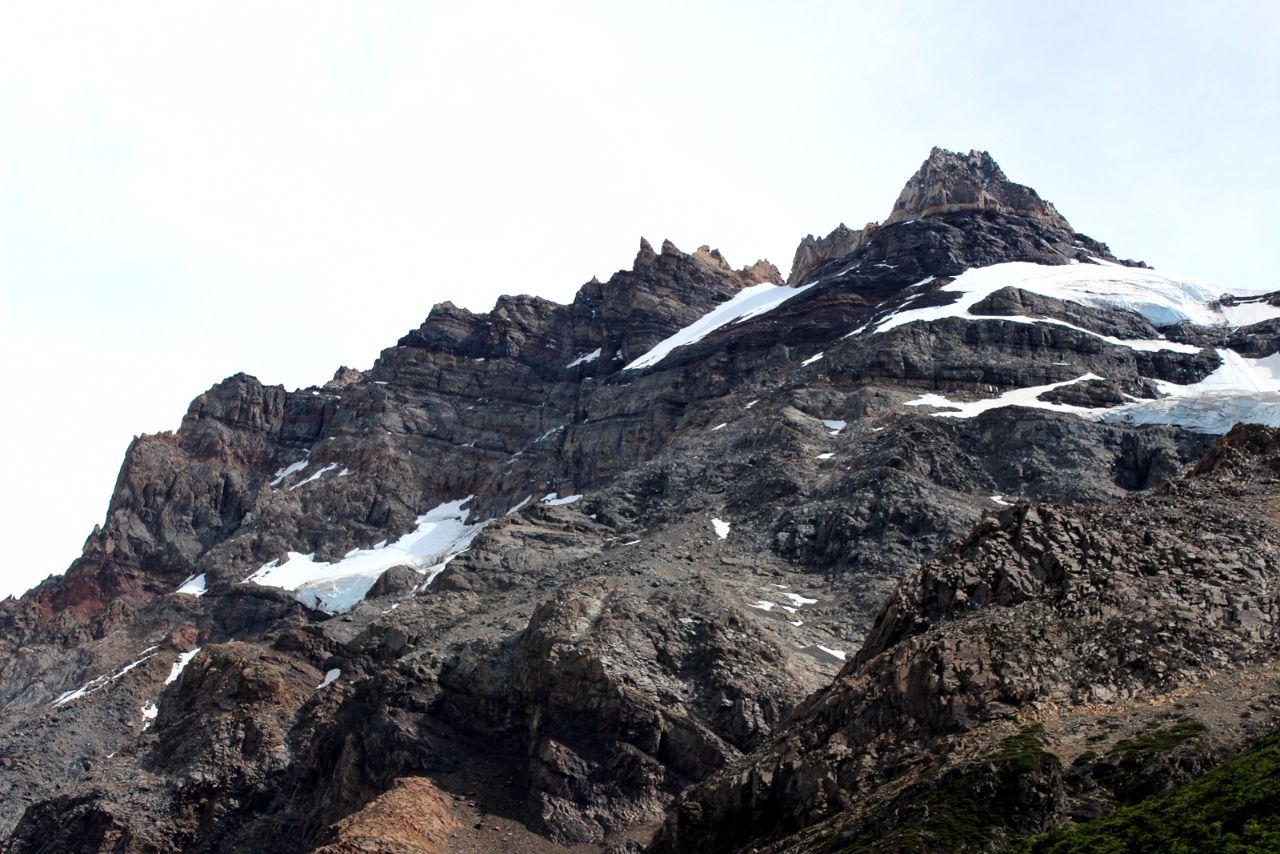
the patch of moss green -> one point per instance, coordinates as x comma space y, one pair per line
1024, 751
1234, 809
1085, 758
1159, 740
949, 814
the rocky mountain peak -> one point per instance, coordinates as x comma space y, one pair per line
814, 250
772, 568
949, 181
946, 183
706, 255
760, 272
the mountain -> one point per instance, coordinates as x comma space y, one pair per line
948, 541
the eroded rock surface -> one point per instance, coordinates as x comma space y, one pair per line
674, 558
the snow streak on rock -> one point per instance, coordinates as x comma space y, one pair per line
336, 588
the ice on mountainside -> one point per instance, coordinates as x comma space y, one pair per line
318, 474
1241, 389
585, 358
193, 586
102, 681
721, 527
1248, 312
282, 473
180, 665
1161, 299
748, 303
1025, 397
551, 499
336, 588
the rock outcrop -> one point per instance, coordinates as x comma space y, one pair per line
949, 182
813, 251
654, 569
1047, 631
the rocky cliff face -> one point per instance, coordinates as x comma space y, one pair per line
949, 182
544, 569
1056, 661
812, 251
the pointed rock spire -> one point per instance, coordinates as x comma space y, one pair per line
949, 181
812, 251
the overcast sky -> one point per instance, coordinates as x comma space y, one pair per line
192, 189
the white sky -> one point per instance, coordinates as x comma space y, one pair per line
192, 189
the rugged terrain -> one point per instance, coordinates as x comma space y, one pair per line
901, 554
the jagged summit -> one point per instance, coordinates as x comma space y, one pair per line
814, 250
558, 573
948, 182
760, 272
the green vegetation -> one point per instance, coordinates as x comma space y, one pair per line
1085, 758
963, 810
1024, 752
1159, 740
1234, 809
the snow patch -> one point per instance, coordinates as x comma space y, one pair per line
798, 600
102, 681
553, 500
720, 426
721, 526
823, 653
1024, 397
336, 588
834, 426
193, 586
329, 678
999, 499
751, 403
1248, 313
811, 360
1210, 412
281, 474
826, 456
149, 713
746, 304
585, 358
1240, 389
180, 665
1160, 298
320, 473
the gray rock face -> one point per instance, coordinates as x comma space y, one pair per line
746, 510
813, 251
949, 182
1170, 594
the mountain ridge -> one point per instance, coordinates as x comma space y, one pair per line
602, 551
